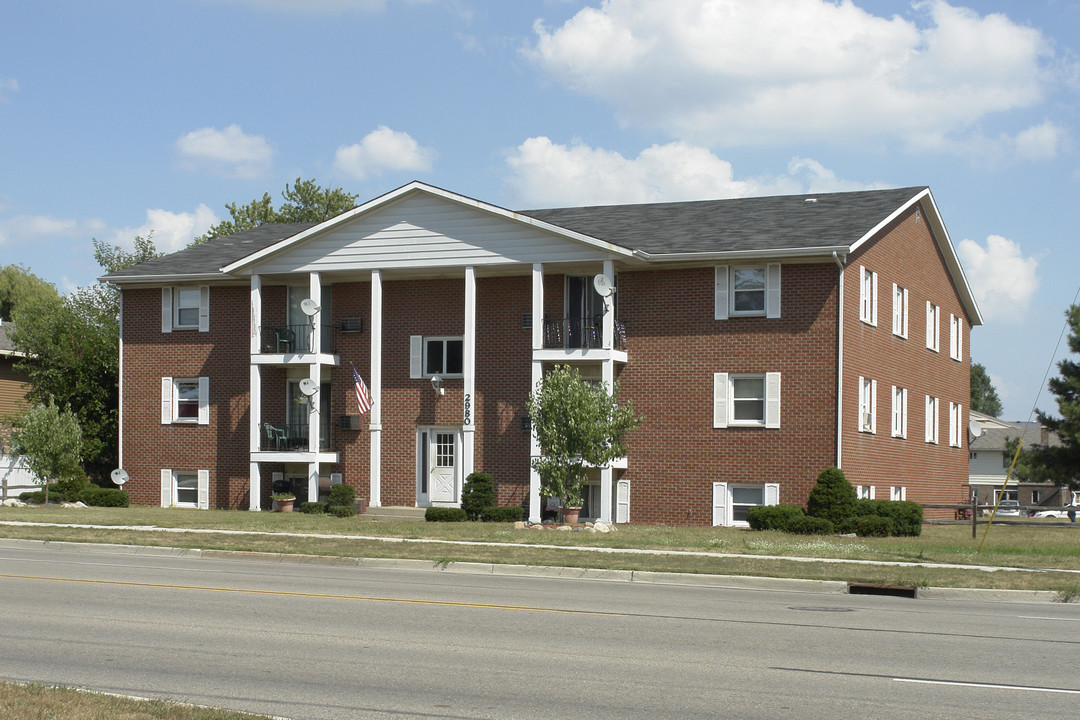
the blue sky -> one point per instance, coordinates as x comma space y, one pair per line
121, 117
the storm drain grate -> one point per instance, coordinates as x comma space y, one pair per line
908, 591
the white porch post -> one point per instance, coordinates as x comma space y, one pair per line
608, 371
315, 404
609, 309
255, 395
537, 376
468, 415
375, 422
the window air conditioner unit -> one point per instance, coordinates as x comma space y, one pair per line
349, 422
352, 325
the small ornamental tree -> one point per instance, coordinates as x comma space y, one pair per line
478, 493
51, 442
833, 498
578, 425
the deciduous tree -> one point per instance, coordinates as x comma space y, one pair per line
50, 440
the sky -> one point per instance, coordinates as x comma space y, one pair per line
119, 118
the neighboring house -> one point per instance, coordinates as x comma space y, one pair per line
763, 340
989, 464
15, 477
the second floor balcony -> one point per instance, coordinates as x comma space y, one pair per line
294, 339
581, 333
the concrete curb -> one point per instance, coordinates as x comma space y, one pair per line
744, 582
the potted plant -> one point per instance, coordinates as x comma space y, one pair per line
284, 501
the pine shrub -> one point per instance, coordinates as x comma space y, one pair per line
342, 495
873, 526
773, 517
478, 494
833, 498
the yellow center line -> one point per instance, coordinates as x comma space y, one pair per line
323, 596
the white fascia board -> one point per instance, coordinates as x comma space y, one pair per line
941, 235
417, 186
160, 279
824, 252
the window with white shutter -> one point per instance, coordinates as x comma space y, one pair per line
956, 337
931, 420
900, 311
933, 326
867, 419
899, 412
867, 296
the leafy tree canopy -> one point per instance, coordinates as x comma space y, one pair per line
19, 285
113, 257
984, 396
578, 425
306, 201
50, 441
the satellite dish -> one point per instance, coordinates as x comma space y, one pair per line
309, 307
602, 284
309, 386
974, 428
119, 476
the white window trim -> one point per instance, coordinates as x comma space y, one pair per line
722, 511
169, 403
900, 311
724, 405
956, 413
864, 492
867, 417
898, 494
899, 412
724, 292
956, 337
933, 326
169, 306
867, 296
169, 489
931, 420
418, 355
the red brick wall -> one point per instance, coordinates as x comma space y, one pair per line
907, 255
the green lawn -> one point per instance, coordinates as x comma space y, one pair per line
1047, 546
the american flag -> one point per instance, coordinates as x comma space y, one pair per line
363, 399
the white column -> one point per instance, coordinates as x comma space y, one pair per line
315, 293
315, 374
255, 395
313, 481
375, 421
537, 376
609, 309
468, 414
608, 375
254, 488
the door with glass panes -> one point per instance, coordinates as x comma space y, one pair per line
438, 465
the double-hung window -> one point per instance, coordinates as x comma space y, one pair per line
185, 308
956, 337
185, 400
931, 420
867, 405
897, 494
956, 426
746, 400
933, 325
747, 290
864, 492
899, 412
430, 356
899, 311
867, 296
185, 488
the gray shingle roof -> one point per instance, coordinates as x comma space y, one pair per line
1030, 432
756, 224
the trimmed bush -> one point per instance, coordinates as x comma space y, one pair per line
342, 494
906, 516
445, 514
773, 517
33, 496
502, 513
69, 489
313, 508
478, 494
833, 498
341, 510
104, 497
873, 526
807, 525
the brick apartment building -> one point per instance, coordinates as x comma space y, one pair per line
763, 339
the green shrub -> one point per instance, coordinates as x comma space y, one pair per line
341, 510
906, 516
313, 508
833, 498
342, 494
773, 517
445, 514
69, 489
502, 513
873, 526
104, 497
478, 494
807, 525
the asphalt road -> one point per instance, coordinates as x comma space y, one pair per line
325, 641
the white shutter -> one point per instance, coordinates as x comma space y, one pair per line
928, 424
895, 412
772, 290
416, 356
864, 307
959, 338
204, 489
204, 308
166, 400
622, 501
772, 400
903, 493
952, 335
864, 406
929, 325
903, 413
937, 328
166, 310
166, 487
204, 401
873, 406
873, 299
719, 503
871, 492
720, 299
904, 323
720, 400
772, 493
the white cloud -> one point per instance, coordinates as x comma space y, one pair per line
543, 173
23, 229
1002, 279
1039, 142
230, 151
172, 231
731, 72
383, 149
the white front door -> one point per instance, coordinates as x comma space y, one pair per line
438, 466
